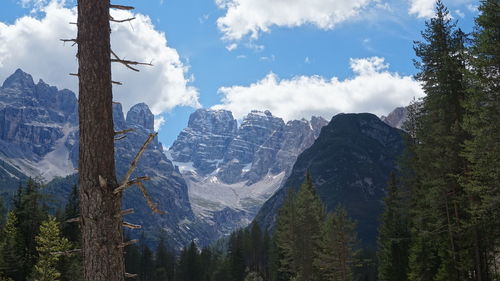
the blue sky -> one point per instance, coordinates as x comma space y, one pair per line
297, 58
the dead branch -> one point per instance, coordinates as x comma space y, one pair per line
126, 212
120, 138
130, 275
124, 20
123, 131
116, 82
131, 225
152, 205
121, 7
115, 102
129, 183
128, 243
128, 63
133, 164
73, 23
70, 40
73, 220
67, 253
74, 74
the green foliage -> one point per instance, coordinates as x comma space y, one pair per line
337, 258
438, 163
394, 237
50, 246
10, 249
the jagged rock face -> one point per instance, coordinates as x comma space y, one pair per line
205, 140
350, 163
231, 171
262, 144
37, 125
39, 133
140, 116
396, 118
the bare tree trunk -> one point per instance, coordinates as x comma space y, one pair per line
101, 222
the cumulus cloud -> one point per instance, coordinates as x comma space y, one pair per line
32, 44
251, 17
372, 89
422, 8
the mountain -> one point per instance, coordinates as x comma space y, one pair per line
232, 170
39, 138
350, 163
396, 118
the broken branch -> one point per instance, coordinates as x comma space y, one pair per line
126, 212
129, 183
73, 220
128, 243
152, 205
131, 225
133, 165
121, 7
124, 20
123, 131
70, 40
128, 63
130, 275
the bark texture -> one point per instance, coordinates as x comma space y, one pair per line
101, 222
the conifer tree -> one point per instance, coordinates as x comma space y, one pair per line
164, 262
30, 211
394, 237
336, 257
482, 151
298, 233
50, 245
11, 249
437, 251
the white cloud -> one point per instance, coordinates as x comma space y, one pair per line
33, 45
251, 17
232, 47
372, 89
158, 122
459, 13
422, 8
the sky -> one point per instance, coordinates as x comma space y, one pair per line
296, 58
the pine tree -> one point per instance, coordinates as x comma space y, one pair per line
394, 237
437, 251
147, 268
164, 262
482, 151
298, 233
50, 244
30, 211
310, 219
188, 268
10, 249
337, 254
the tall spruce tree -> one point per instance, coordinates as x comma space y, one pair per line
11, 249
437, 251
394, 237
30, 211
298, 233
482, 151
336, 258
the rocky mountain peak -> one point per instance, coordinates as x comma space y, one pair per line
396, 118
19, 80
140, 115
213, 121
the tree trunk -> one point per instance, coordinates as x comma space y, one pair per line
101, 222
